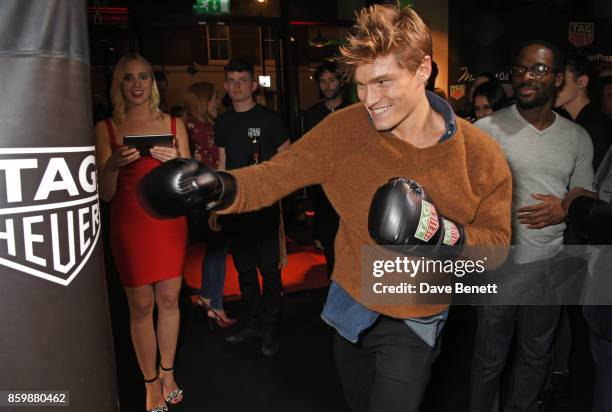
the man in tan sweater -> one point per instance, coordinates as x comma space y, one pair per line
384, 353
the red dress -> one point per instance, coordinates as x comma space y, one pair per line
146, 249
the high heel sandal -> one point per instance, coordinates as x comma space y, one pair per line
220, 321
212, 314
201, 308
158, 408
172, 396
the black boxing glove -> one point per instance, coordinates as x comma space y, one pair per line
179, 186
402, 214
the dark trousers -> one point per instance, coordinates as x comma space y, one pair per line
599, 319
535, 329
602, 355
259, 252
387, 370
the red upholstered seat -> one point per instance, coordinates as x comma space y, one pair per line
305, 270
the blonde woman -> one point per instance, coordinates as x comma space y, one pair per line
148, 252
201, 106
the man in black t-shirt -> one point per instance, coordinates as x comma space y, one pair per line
326, 220
247, 134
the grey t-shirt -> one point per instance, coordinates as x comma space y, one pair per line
549, 161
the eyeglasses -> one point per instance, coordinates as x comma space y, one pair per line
537, 70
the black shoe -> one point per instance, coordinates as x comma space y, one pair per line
243, 334
270, 344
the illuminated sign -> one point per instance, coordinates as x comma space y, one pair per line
212, 7
264, 81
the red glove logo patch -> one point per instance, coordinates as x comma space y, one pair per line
451, 233
428, 222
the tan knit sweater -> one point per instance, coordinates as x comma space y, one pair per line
467, 177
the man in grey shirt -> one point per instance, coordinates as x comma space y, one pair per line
547, 155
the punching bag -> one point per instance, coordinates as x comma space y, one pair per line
55, 334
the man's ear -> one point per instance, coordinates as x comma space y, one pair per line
254, 86
424, 70
225, 86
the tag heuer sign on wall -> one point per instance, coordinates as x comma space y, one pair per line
212, 7
581, 34
49, 213
457, 91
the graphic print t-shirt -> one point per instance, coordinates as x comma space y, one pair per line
236, 132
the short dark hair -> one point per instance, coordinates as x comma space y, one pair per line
495, 94
331, 67
580, 66
558, 57
237, 65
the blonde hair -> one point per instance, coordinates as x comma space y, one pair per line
117, 98
382, 30
197, 99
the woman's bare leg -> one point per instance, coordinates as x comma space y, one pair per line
168, 320
141, 301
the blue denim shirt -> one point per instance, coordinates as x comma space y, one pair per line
349, 317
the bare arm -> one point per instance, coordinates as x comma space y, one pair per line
108, 163
182, 142
221, 158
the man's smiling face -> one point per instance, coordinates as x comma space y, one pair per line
388, 91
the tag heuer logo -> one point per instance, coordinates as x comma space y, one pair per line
581, 34
457, 91
49, 212
451, 233
254, 131
428, 222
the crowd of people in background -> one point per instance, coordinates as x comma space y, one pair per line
555, 130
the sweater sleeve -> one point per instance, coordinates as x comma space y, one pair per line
305, 163
490, 229
583, 168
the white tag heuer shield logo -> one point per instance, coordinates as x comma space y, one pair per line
49, 212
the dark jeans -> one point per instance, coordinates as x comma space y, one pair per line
213, 269
259, 252
387, 370
599, 319
535, 329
